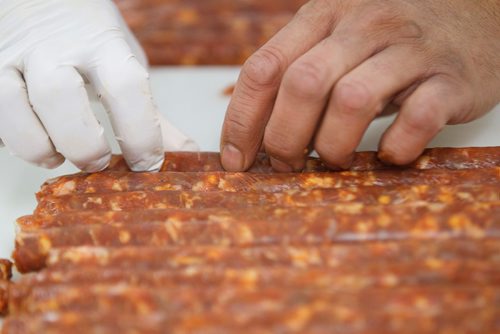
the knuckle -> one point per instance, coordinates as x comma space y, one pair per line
306, 79
411, 29
326, 9
263, 68
388, 22
304, 12
352, 96
425, 115
381, 14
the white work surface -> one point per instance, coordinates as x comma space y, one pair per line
192, 99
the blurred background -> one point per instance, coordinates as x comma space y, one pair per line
205, 32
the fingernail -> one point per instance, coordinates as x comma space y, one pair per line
232, 159
280, 166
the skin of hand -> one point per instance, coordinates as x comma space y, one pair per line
49, 49
339, 64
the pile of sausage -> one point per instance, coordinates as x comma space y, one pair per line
194, 32
194, 249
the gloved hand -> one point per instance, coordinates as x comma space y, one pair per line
48, 50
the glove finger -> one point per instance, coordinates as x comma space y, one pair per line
60, 100
174, 139
20, 129
131, 40
123, 86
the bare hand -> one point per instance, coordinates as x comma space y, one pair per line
339, 64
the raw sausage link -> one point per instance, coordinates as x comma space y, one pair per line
432, 158
277, 226
370, 195
478, 202
401, 310
298, 320
123, 298
5, 269
379, 273
131, 257
4, 297
5, 276
243, 182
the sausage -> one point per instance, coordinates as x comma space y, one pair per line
387, 250
5, 276
85, 323
432, 158
334, 255
87, 290
229, 90
205, 32
377, 273
364, 195
5, 269
274, 226
4, 297
298, 320
455, 202
397, 310
244, 182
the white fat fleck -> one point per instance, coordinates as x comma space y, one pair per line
115, 206
198, 186
65, 189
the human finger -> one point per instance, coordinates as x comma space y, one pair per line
20, 129
259, 80
359, 97
123, 87
58, 95
421, 118
305, 92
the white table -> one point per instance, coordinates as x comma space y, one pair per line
192, 98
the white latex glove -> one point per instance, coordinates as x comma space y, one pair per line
48, 50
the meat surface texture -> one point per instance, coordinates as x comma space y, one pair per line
195, 249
